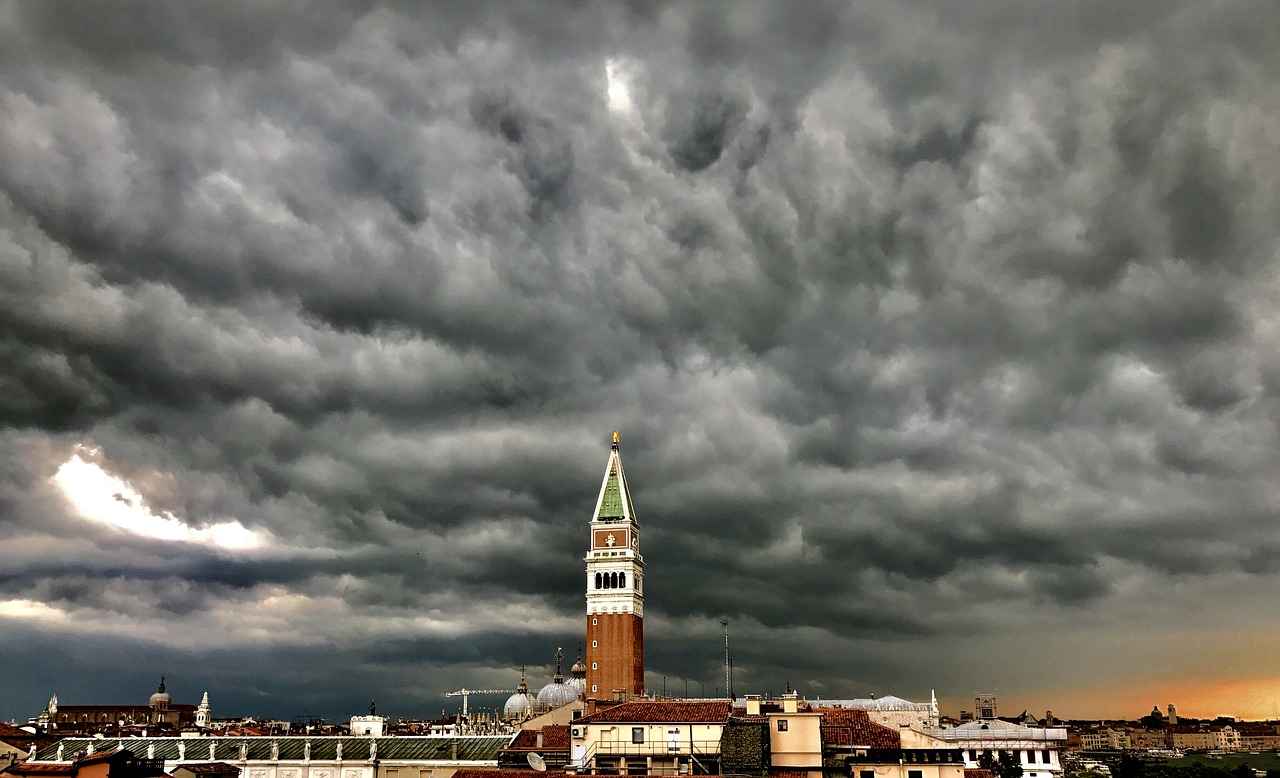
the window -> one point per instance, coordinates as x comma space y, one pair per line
867, 774
593, 687
593, 666
637, 734
593, 644
593, 622
782, 725
622, 580
597, 580
915, 774
1044, 757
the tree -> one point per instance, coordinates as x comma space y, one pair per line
1130, 766
1008, 766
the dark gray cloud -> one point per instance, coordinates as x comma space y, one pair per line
940, 337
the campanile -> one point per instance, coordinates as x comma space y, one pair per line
615, 591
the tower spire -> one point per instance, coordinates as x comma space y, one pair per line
614, 502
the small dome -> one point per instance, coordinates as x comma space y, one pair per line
518, 704
161, 697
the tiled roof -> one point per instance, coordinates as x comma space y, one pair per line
101, 756
853, 727
526, 739
468, 772
978, 772
555, 737
20, 738
43, 768
788, 774
210, 767
669, 712
837, 736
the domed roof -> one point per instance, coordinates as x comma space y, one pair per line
519, 704
579, 670
161, 697
557, 693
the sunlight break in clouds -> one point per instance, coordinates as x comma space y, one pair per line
619, 90
99, 496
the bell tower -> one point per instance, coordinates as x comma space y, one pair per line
615, 591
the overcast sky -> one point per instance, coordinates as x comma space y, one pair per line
942, 338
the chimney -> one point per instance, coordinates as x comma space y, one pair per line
790, 702
539, 743
753, 705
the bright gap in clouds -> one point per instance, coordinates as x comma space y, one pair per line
618, 90
100, 496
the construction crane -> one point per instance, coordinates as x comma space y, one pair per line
465, 694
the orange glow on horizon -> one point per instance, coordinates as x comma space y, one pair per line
1254, 699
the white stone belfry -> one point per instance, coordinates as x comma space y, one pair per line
204, 715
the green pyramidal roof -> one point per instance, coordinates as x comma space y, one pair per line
615, 498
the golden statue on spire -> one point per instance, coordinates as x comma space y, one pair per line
615, 437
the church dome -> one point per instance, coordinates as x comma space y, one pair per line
557, 693
520, 704
161, 698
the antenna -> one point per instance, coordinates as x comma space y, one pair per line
536, 762
725, 623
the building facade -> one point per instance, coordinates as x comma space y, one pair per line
615, 591
1038, 749
300, 757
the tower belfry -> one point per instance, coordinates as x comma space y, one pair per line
615, 590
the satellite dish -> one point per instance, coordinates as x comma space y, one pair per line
537, 762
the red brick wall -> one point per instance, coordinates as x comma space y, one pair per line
618, 653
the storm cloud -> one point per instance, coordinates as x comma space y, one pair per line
940, 337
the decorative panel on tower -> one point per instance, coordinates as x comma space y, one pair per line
615, 591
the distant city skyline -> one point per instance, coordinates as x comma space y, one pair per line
941, 337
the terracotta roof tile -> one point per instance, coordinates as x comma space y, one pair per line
853, 727
555, 737
664, 712
41, 768
468, 772
978, 772
526, 740
210, 767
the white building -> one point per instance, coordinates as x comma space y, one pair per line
409, 756
889, 710
1038, 749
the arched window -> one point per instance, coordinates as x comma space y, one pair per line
597, 580
622, 580
613, 583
